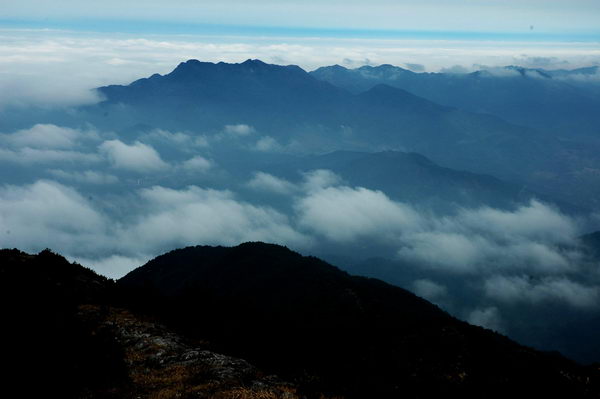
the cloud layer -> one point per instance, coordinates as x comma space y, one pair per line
58, 68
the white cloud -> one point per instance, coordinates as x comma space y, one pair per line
176, 218
448, 250
267, 144
536, 221
515, 289
344, 214
265, 182
198, 164
46, 143
238, 130
45, 136
59, 68
138, 157
47, 214
476, 239
318, 179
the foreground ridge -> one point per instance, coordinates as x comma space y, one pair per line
180, 326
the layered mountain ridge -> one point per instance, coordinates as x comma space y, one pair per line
310, 113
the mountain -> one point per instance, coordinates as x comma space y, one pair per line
213, 95
302, 112
70, 337
177, 326
414, 178
551, 101
51, 350
338, 333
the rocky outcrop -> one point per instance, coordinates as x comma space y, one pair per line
162, 364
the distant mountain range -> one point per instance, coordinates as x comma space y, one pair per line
560, 101
295, 107
413, 178
330, 333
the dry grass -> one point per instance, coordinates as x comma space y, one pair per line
246, 393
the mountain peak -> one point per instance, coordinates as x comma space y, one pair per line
310, 318
253, 62
190, 66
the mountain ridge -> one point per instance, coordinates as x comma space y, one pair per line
233, 287
419, 352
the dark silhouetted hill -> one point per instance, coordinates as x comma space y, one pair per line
329, 331
65, 336
49, 351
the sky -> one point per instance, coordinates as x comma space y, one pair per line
504, 16
73, 46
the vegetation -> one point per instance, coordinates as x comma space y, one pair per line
325, 333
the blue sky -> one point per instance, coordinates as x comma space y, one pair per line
570, 19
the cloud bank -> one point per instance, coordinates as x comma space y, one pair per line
53, 68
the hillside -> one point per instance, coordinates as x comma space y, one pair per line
347, 335
70, 337
329, 333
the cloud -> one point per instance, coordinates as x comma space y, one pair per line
48, 214
46, 143
85, 177
265, 182
472, 240
446, 250
499, 72
238, 130
534, 237
536, 221
415, 67
43, 136
344, 214
515, 289
21, 89
486, 317
540, 62
319, 179
138, 157
60, 68
455, 70
267, 144
175, 218
198, 164
429, 290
